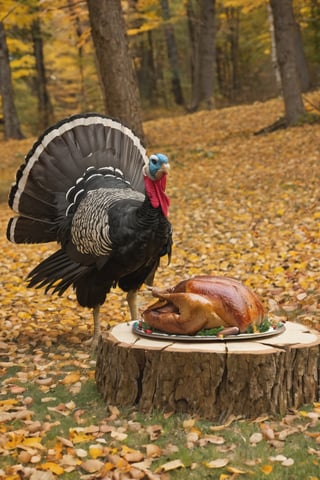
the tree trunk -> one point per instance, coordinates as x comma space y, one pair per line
274, 60
315, 24
234, 20
73, 7
147, 75
285, 37
10, 117
117, 74
302, 64
202, 36
194, 59
172, 53
211, 379
45, 111
207, 50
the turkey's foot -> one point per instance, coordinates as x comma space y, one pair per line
93, 342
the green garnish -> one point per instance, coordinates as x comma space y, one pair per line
205, 332
264, 326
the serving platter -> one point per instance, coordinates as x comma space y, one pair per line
140, 328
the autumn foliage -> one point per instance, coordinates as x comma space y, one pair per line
241, 205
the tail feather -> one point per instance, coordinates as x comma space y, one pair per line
56, 272
37, 202
30, 230
61, 156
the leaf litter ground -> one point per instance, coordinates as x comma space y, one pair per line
242, 205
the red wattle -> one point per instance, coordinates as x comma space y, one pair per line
155, 191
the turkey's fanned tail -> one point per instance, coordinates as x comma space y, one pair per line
60, 159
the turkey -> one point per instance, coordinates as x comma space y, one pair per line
204, 302
88, 184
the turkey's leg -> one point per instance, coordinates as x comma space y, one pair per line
132, 299
96, 328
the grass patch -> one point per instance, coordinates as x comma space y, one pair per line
76, 412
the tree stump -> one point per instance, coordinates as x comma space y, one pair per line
248, 378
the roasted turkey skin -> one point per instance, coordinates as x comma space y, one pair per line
204, 302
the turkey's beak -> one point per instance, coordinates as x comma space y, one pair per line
163, 170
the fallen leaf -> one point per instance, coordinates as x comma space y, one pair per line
53, 467
133, 457
81, 452
65, 441
40, 475
267, 431
255, 438
288, 462
70, 378
236, 470
120, 436
267, 469
69, 460
154, 431
152, 450
218, 463
214, 439
231, 419
278, 458
24, 456
92, 466
95, 451
173, 465
190, 422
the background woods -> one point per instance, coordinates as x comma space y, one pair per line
186, 55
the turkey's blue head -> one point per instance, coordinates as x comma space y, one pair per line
158, 166
155, 173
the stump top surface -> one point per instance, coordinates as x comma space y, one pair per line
295, 334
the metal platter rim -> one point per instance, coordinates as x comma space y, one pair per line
202, 338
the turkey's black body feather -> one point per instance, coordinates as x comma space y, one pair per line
82, 186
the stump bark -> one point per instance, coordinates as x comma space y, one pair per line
211, 379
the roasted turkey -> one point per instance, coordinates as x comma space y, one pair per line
204, 302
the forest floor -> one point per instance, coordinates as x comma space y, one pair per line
242, 205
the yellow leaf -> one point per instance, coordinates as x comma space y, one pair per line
173, 465
278, 270
8, 402
236, 470
303, 413
95, 451
189, 423
71, 378
267, 469
53, 467
78, 436
81, 437
107, 467
13, 440
34, 442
